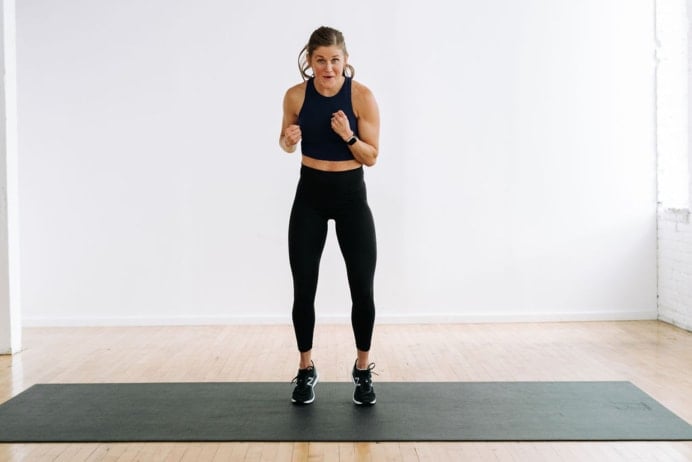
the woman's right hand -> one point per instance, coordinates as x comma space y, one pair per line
292, 135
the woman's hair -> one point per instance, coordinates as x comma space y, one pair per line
322, 37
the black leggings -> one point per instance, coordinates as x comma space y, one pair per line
340, 196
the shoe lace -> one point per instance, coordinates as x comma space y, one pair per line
365, 379
370, 369
303, 374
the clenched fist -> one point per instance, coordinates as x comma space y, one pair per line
292, 135
340, 125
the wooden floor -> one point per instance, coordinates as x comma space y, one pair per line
654, 356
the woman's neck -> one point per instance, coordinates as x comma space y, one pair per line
329, 90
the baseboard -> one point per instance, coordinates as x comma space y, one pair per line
383, 318
677, 323
481, 318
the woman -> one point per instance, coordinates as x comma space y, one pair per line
337, 122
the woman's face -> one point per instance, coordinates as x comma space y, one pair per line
328, 65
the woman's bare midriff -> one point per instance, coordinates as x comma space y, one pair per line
331, 165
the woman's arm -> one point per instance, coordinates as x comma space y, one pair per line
290, 130
366, 149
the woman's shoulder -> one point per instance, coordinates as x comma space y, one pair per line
361, 93
297, 90
293, 100
359, 87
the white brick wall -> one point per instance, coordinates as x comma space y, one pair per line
674, 226
675, 267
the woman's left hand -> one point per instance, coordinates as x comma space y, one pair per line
341, 126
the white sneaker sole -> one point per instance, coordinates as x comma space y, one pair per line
364, 404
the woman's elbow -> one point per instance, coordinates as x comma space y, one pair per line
371, 161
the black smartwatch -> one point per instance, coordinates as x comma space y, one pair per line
352, 140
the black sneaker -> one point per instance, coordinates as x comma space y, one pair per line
364, 394
305, 381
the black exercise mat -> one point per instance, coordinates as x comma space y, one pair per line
411, 411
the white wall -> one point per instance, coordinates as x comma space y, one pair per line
10, 303
516, 177
675, 127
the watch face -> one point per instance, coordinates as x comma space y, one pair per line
352, 140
